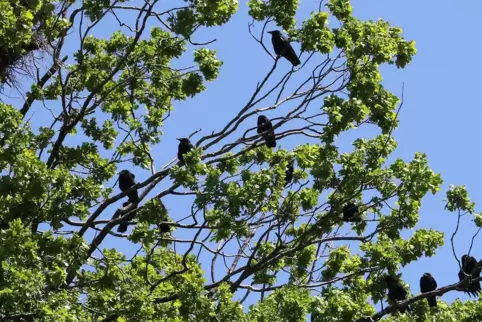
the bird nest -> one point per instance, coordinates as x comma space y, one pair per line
14, 64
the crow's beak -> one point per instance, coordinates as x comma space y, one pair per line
270, 32
178, 139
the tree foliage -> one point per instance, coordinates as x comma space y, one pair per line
247, 236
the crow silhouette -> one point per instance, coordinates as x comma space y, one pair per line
127, 180
164, 228
184, 147
396, 292
428, 284
264, 124
470, 267
289, 172
282, 47
350, 212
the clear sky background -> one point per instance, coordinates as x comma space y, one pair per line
441, 113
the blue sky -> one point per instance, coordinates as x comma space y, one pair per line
440, 116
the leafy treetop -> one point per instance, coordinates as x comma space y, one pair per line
247, 236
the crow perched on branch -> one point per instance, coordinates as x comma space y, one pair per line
264, 124
184, 147
164, 228
350, 212
396, 292
127, 180
282, 47
470, 267
428, 284
289, 172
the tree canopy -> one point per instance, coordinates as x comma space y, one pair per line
286, 245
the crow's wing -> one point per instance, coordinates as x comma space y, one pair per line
289, 52
278, 45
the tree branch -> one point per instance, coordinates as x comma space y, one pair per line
438, 292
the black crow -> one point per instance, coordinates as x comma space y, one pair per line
264, 124
127, 180
184, 147
470, 267
350, 212
428, 284
474, 287
282, 47
164, 228
289, 172
396, 292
